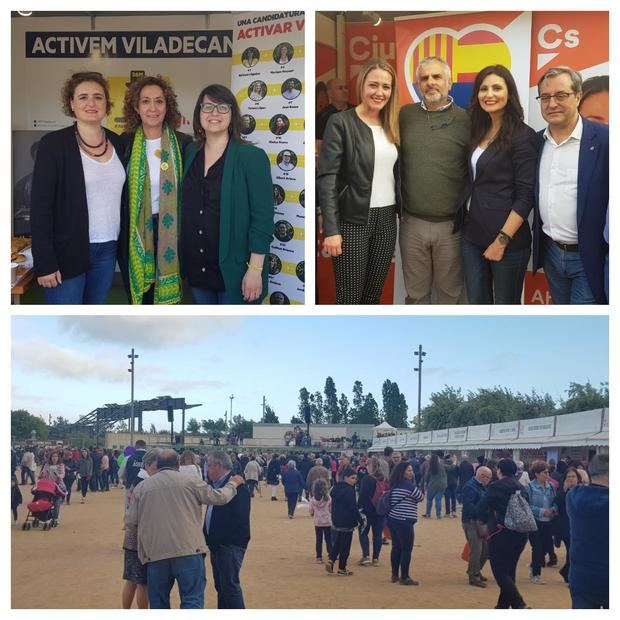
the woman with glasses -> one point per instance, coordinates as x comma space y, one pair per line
494, 208
358, 189
77, 187
148, 248
227, 208
542, 500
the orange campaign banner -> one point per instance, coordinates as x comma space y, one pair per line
468, 42
363, 42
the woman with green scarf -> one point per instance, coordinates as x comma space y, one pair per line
148, 247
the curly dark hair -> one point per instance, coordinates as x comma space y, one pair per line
481, 121
132, 98
68, 89
398, 473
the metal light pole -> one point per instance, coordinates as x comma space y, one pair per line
232, 396
421, 354
132, 357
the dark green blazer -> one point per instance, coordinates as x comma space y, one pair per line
246, 213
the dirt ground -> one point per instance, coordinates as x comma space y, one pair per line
279, 570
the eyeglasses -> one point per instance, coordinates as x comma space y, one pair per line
222, 108
559, 97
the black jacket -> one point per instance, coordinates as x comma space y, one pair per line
230, 523
59, 211
367, 491
492, 506
123, 240
133, 465
344, 510
504, 182
466, 472
471, 494
346, 168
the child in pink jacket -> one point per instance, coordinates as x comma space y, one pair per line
320, 511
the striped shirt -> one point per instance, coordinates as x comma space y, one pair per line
404, 501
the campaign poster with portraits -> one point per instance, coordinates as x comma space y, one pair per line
268, 81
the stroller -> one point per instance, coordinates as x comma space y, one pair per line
41, 510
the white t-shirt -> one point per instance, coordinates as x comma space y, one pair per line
104, 186
152, 147
475, 156
383, 193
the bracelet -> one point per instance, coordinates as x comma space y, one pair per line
501, 232
254, 267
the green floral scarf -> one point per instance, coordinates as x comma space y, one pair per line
144, 268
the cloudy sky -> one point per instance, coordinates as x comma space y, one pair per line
71, 365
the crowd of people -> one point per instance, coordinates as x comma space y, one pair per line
463, 184
162, 205
166, 535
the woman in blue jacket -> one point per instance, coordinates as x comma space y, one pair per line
293, 485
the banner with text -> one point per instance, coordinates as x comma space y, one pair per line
268, 81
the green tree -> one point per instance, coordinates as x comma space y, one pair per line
213, 425
583, 397
23, 423
332, 411
270, 416
304, 401
193, 426
358, 394
394, 405
437, 414
153, 430
368, 413
343, 404
121, 427
241, 427
297, 420
316, 408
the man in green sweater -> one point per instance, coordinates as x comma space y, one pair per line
434, 137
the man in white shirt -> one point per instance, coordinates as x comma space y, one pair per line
572, 193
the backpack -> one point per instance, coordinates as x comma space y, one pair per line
384, 503
519, 516
380, 489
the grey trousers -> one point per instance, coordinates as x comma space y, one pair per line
478, 550
432, 261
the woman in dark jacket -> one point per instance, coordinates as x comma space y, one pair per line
77, 189
227, 214
358, 189
70, 473
148, 248
505, 546
368, 491
293, 483
562, 524
85, 471
273, 472
495, 207
345, 518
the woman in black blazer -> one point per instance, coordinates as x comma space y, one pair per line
358, 186
77, 187
496, 204
148, 253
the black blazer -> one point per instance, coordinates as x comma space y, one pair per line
59, 211
230, 524
346, 168
504, 182
123, 240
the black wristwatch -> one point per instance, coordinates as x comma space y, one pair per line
503, 238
